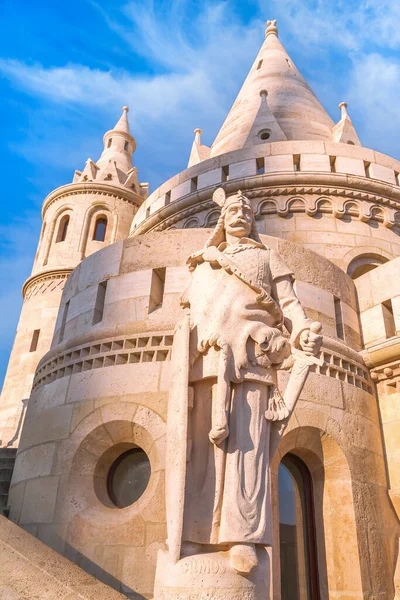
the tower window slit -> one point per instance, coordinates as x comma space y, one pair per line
259, 64
332, 160
388, 319
100, 301
157, 289
63, 229
260, 166
126, 146
225, 173
339, 318
296, 162
100, 228
397, 177
167, 198
367, 166
193, 184
35, 340
63, 322
109, 143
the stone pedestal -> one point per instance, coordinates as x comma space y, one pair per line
208, 576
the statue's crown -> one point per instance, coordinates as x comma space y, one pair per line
223, 201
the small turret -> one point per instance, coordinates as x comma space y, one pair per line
344, 131
119, 145
199, 151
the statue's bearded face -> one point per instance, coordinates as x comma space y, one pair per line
238, 220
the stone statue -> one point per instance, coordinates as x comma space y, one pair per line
226, 414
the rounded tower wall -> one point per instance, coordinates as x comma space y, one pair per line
339, 200
104, 388
82, 204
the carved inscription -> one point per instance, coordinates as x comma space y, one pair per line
203, 566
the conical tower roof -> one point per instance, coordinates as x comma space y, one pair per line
293, 104
119, 144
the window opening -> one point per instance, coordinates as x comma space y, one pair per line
63, 321
296, 162
63, 229
167, 197
128, 477
339, 318
259, 64
126, 146
109, 143
100, 228
147, 212
299, 569
332, 161
367, 166
157, 289
388, 319
35, 340
225, 173
100, 301
193, 184
264, 134
260, 166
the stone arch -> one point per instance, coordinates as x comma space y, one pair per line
267, 207
63, 211
94, 212
362, 259
324, 205
296, 205
352, 208
191, 223
335, 517
212, 218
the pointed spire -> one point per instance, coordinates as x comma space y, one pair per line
291, 101
344, 131
199, 151
123, 123
119, 145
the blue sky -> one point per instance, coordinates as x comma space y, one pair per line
67, 68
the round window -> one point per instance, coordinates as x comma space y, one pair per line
128, 477
264, 134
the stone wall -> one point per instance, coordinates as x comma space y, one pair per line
103, 388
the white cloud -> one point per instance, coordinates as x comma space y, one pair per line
373, 93
344, 24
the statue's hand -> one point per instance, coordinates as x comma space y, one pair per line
310, 340
218, 434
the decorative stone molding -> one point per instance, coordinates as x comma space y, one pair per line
44, 283
372, 199
102, 189
106, 353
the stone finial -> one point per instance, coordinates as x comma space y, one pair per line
271, 28
197, 135
125, 109
343, 108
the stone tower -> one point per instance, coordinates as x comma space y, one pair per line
79, 218
97, 414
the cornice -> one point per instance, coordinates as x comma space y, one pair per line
44, 276
91, 187
290, 185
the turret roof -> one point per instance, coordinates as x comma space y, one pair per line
292, 105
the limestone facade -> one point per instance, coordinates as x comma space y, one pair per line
108, 194
332, 211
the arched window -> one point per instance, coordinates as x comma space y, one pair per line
299, 572
100, 227
63, 229
364, 263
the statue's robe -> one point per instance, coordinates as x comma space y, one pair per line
237, 294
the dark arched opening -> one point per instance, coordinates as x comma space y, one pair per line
298, 556
63, 229
100, 227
